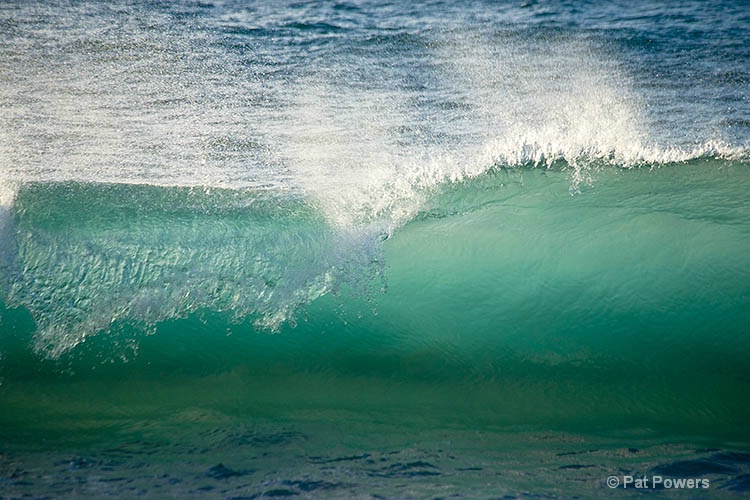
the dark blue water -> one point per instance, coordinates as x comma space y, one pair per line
374, 250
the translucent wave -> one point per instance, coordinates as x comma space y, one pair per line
85, 257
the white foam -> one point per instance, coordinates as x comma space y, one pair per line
348, 149
169, 108
344, 153
529, 103
539, 102
7, 194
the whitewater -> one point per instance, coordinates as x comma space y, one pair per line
367, 250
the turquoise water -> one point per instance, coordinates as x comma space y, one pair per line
360, 250
496, 319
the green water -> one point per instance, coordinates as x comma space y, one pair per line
510, 323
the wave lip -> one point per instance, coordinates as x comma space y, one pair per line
585, 158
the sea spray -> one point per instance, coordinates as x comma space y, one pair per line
347, 249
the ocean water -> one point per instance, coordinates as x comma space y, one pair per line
374, 249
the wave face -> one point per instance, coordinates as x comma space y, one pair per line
491, 275
507, 307
230, 231
88, 255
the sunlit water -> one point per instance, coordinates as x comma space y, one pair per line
371, 250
